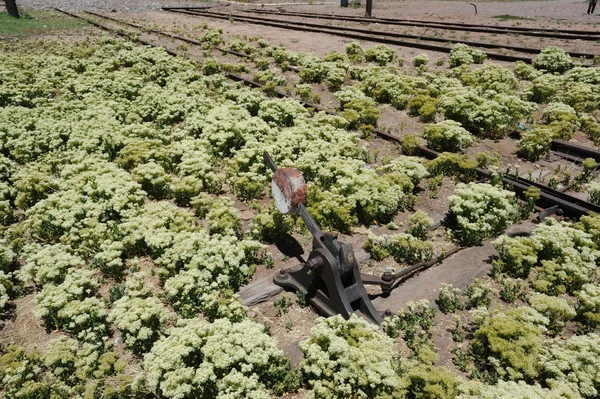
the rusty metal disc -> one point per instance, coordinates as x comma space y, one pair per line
289, 189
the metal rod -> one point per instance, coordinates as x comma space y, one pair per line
270, 163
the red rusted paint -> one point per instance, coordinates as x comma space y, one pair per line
291, 183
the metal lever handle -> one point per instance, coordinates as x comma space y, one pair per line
270, 163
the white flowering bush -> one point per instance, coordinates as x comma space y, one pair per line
491, 115
6, 288
489, 77
589, 305
344, 358
72, 307
380, 54
411, 167
573, 363
535, 142
219, 359
556, 309
561, 119
447, 136
480, 210
565, 256
355, 52
553, 59
594, 193
142, 321
461, 54
48, 264
508, 390
404, 248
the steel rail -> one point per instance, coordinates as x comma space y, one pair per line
550, 33
365, 34
574, 152
442, 40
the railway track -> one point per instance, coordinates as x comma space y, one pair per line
538, 32
357, 34
570, 205
378, 36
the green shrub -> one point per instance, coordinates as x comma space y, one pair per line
447, 136
424, 106
413, 325
420, 60
536, 142
270, 225
429, 382
461, 54
221, 359
509, 346
516, 255
404, 248
419, 224
381, 54
553, 59
343, 359
557, 310
478, 211
459, 167
562, 120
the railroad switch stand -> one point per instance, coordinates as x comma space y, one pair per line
329, 279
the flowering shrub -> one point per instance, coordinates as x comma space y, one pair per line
535, 142
355, 52
221, 359
556, 309
478, 211
510, 345
566, 257
594, 193
485, 116
461, 54
381, 54
447, 136
48, 264
419, 224
589, 305
343, 358
572, 363
403, 247
508, 390
141, 321
553, 59
420, 60
562, 120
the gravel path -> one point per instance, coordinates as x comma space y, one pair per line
102, 5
